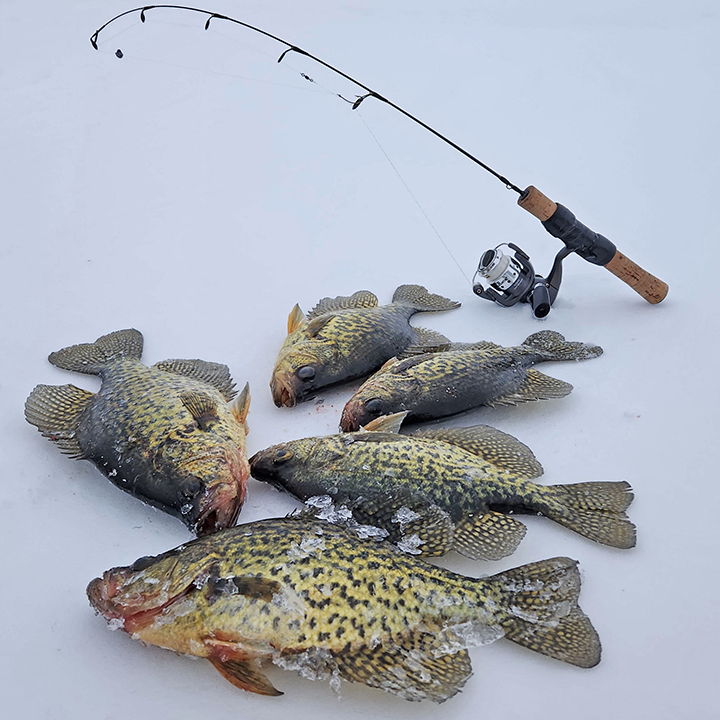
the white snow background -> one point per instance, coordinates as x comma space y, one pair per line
197, 190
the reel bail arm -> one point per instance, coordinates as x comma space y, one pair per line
593, 247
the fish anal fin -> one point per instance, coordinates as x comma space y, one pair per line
246, 675
537, 386
386, 423
90, 358
55, 410
360, 299
426, 341
215, 374
241, 405
201, 406
407, 666
492, 445
491, 536
295, 319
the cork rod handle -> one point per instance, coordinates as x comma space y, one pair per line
595, 248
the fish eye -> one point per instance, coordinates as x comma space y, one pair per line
306, 372
374, 406
282, 455
142, 563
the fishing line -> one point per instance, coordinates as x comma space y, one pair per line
417, 202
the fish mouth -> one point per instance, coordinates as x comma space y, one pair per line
282, 392
219, 508
102, 594
348, 419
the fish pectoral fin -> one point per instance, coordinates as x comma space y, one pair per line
215, 374
407, 666
55, 410
360, 299
386, 423
241, 405
495, 447
489, 537
201, 406
426, 341
246, 675
317, 324
536, 386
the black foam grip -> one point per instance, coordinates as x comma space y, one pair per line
579, 238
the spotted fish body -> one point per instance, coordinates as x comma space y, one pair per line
165, 434
463, 377
311, 596
344, 338
443, 489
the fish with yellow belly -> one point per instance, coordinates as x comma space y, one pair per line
170, 434
312, 596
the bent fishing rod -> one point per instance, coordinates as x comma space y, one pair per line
511, 279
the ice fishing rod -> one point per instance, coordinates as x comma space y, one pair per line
510, 277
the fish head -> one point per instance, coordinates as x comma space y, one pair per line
381, 394
213, 488
295, 467
307, 361
132, 598
359, 411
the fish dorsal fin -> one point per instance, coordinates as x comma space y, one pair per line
418, 297
483, 345
410, 666
360, 299
241, 405
492, 536
295, 319
317, 324
386, 423
215, 374
90, 358
246, 675
410, 362
536, 386
201, 406
55, 410
498, 448
426, 341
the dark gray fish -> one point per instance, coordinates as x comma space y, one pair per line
167, 434
463, 377
344, 338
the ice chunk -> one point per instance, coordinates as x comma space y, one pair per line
410, 544
312, 664
404, 516
309, 545
465, 635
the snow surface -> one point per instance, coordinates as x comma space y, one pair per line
197, 190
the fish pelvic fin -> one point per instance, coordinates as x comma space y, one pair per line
215, 374
246, 675
418, 298
539, 603
91, 358
595, 510
492, 536
55, 410
555, 347
410, 666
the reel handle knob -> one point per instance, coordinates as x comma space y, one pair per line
591, 246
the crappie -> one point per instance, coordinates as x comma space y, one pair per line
443, 490
344, 338
463, 377
165, 434
313, 597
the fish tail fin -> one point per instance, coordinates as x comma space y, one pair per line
55, 411
538, 609
595, 510
554, 347
90, 358
418, 297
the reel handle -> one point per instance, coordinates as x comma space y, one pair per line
591, 246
